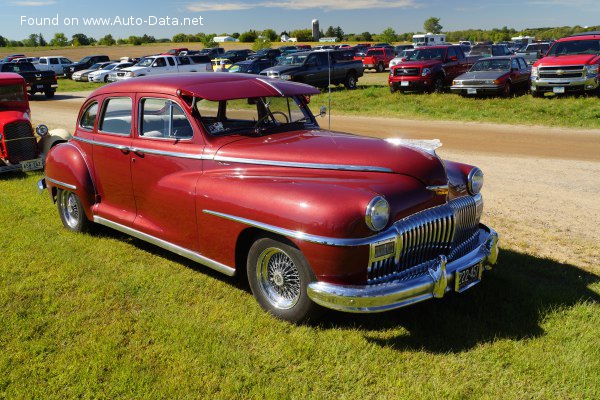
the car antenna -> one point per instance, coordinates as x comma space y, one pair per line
329, 89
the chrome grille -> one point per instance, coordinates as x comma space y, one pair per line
568, 71
20, 142
406, 71
451, 230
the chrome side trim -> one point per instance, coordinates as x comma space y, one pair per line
271, 85
103, 144
339, 167
305, 236
189, 254
68, 186
144, 150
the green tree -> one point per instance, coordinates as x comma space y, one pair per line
41, 41
82, 39
388, 36
303, 35
107, 40
248, 37
432, 25
261, 43
330, 32
209, 40
134, 40
366, 36
3, 41
31, 41
269, 34
59, 40
235, 35
180, 37
338, 33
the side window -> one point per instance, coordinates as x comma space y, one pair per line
65, 61
172, 62
515, 64
162, 118
54, 61
522, 63
451, 52
116, 117
313, 60
89, 116
43, 61
159, 62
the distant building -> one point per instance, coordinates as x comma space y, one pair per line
285, 38
315, 30
328, 39
222, 39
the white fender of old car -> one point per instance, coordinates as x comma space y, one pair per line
54, 137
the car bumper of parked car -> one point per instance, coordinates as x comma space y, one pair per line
410, 83
440, 279
475, 90
564, 85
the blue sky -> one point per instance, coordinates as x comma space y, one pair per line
354, 16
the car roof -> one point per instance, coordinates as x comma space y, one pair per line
213, 86
11, 77
581, 36
509, 57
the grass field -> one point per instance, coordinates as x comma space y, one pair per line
107, 316
373, 98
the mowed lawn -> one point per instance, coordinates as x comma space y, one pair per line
373, 98
107, 316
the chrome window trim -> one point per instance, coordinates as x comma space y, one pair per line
171, 138
95, 102
57, 182
189, 254
339, 167
342, 242
144, 150
100, 117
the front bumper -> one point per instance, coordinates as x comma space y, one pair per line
400, 293
543, 85
410, 83
483, 89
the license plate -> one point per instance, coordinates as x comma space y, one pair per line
32, 165
404, 83
471, 91
558, 89
467, 277
39, 86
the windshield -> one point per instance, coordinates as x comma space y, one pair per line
426, 54
491, 65
575, 47
85, 59
254, 115
145, 62
239, 67
481, 51
262, 52
293, 60
109, 67
95, 66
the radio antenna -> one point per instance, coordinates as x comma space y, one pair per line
329, 88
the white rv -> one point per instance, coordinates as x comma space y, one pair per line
428, 39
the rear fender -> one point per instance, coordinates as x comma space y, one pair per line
67, 168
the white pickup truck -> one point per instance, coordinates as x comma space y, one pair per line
54, 63
161, 64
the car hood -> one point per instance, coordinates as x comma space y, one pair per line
419, 63
325, 150
482, 75
567, 60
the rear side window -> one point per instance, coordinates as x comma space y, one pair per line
171, 61
116, 118
43, 61
89, 116
163, 119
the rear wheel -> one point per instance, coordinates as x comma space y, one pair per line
106, 78
49, 94
71, 211
350, 82
279, 275
380, 67
393, 89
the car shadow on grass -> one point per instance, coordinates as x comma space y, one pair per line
510, 303
6, 176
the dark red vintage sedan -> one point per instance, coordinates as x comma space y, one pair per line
233, 171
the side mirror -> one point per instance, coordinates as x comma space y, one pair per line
323, 111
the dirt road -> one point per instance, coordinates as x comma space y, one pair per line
542, 184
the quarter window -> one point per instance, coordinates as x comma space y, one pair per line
89, 116
162, 118
116, 117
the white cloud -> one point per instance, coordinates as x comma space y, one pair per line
34, 3
329, 5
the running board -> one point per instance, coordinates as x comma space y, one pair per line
191, 255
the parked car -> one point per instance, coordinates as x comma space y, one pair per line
155, 65
212, 52
402, 57
311, 217
377, 58
401, 47
20, 148
251, 66
570, 66
82, 76
429, 68
266, 53
33, 60
11, 57
101, 74
489, 50
84, 63
494, 75
37, 81
313, 68
176, 51
55, 63
235, 55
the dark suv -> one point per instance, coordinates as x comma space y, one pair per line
84, 63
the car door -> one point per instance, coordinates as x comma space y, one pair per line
166, 163
111, 141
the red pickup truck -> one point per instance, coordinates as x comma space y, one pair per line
571, 65
377, 58
430, 68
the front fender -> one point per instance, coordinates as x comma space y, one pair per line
67, 168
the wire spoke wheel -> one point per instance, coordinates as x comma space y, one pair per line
279, 278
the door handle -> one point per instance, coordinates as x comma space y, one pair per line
138, 153
124, 149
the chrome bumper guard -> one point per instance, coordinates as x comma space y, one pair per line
589, 82
400, 293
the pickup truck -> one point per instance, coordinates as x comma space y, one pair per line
54, 63
430, 68
570, 66
37, 81
312, 67
377, 58
84, 63
533, 52
162, 64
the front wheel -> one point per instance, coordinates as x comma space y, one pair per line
380, 67
71, 211
279, 275
438, 84
350, 82
507, 90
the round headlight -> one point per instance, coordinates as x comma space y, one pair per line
378, 213
41, 130
475, 181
